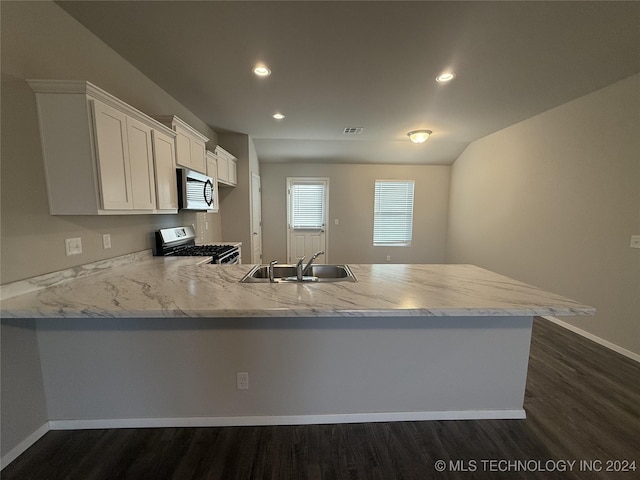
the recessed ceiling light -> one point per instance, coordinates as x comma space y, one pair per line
262, 70
445, 77
278, 116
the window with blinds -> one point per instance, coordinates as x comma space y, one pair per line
307, 205
393, 213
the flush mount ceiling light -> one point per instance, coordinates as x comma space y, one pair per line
445, 77
278, 116
419, 136
262, 70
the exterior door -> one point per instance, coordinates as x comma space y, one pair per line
307, 213
256, 219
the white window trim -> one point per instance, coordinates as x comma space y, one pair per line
396, 244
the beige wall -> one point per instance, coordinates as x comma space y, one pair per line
40, 40
554, 200
23, 406
351, 202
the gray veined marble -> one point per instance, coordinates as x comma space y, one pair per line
184, 287
40, 282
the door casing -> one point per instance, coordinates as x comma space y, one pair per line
256, 219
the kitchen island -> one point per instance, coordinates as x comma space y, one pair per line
159, 342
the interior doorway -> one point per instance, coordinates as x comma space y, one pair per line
307, 214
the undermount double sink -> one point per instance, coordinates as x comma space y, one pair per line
287, 273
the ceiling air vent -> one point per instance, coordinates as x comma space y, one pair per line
353, 130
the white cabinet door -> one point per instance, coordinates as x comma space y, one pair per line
190, 151
223, 170
198, 156
183, 149
113, 157
143, 189
125, 160
165, 168
233, 172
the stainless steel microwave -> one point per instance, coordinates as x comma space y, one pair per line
195, 190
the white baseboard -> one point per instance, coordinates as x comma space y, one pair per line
515, 414
285, 419
594, 338
19, 449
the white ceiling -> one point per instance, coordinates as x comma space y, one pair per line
370, 64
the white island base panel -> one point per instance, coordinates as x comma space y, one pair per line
111, 373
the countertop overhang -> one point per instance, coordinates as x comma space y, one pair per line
173, 287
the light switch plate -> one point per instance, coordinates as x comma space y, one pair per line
635, 241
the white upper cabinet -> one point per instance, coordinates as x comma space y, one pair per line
227, 167
190, 144
99, 153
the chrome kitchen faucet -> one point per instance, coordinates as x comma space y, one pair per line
315, 255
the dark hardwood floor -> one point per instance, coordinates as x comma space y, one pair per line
582, 403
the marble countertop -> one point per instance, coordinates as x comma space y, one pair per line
155, 287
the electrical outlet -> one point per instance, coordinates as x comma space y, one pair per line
635, 241
242, 381
337, 221
73, 246
106, 240
388, 258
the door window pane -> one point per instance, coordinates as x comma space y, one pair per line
307, 205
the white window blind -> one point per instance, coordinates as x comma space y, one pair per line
307, 205
393, 213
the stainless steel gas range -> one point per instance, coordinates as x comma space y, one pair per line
181, 241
